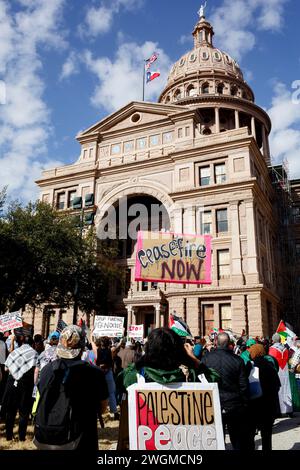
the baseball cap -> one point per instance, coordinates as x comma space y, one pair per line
71, 342
54, 335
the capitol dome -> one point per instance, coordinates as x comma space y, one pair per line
205, 70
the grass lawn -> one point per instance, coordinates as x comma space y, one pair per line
108, 436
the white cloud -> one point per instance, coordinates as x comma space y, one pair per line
99, 20
121, 80
236, 21
285, 136
25, 118
71, 66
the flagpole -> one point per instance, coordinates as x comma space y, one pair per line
144, 77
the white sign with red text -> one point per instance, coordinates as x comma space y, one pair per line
136, 331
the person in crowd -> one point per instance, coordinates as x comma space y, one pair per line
279, 352
38, 344
3, 374
101, 356
245, 355
127, 354
77, 376
20, 364
233, 389
264, 409
48, 355
294, 365
138, 351
167, 359
198, 348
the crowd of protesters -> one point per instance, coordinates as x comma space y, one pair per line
95, 373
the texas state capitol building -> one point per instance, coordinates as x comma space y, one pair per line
204, 143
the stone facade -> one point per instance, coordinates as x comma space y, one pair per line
203, 145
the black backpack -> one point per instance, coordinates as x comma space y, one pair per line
56, 425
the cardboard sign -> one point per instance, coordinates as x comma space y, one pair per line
113, 327
136, 331
10, 321
173, 258
182, 416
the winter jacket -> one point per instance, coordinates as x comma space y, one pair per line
233, 384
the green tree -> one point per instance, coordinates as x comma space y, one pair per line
45, 259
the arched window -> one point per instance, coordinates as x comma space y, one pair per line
233, 90
168, 99
191, 91
220, 88
205, 88
177, 95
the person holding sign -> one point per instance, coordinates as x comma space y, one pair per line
167, 359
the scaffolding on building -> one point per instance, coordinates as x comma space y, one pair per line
284, 207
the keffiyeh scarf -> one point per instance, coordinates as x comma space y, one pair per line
21, 360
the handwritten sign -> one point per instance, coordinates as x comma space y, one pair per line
113, 327
173, 258
182, 416
10, 321
136, 331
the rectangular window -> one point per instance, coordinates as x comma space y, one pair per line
223, 264
187, 131
91, 153
61, 199
222, 221
167, 137
180, 133
220, 173
206, 223
154, 140
116, 149
207, 322
71, 196
225, 317
142, 143
85, 154
204, 175
128, 146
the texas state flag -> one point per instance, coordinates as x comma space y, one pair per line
152, 75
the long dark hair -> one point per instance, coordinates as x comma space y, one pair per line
164, 350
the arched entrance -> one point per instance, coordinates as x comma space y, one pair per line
140, 302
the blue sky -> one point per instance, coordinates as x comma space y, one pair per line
68, 63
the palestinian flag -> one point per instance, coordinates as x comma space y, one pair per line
285, 331
179, 326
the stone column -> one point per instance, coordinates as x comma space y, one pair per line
157, 315
236, 256
189, 220
252, 270
255, 314
217, 120
129, 309
266, 148
178, 220
253, 130
237, 119
238, 313
192, 315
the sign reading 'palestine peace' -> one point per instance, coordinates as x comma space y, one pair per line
173, 258
182, 416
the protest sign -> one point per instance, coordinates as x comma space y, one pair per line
182, 416
25, 330
10, 321
173, 258
109, 326
136, 331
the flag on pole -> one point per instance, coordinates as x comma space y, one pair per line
285, 332
152, 75
179, 326
152, 59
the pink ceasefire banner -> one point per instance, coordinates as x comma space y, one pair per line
173, 258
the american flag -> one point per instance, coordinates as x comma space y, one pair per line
152, 59
61, 325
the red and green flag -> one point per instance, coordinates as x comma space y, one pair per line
285, 331
179, 326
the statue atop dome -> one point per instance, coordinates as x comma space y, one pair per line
201, 12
